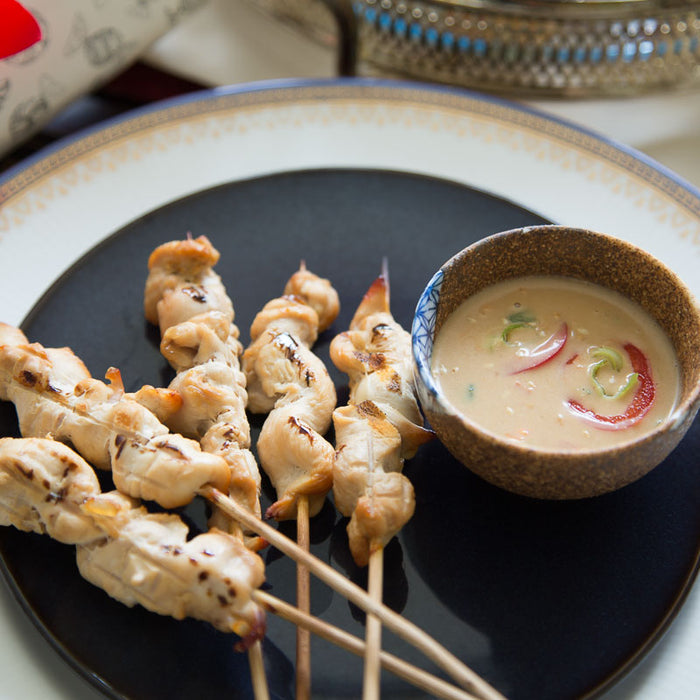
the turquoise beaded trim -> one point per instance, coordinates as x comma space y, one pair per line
456, 44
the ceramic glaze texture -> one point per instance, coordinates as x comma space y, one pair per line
584, 255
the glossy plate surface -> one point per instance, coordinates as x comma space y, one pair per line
546, 600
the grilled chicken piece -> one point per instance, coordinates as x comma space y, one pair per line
43, 483
182, 284
108, 427
379, 429
316, 292
147, 559
188, 301
24, 364
289, 382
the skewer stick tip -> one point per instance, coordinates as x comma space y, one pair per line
257, 672
373, 635
303, 637
384, 276
384, 272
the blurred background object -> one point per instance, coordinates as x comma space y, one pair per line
18, 30
83, 44
530, 47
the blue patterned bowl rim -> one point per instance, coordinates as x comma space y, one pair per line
423, 331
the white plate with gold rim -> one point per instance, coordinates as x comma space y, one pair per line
62, 203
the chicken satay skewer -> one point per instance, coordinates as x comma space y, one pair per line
47, 488
187, 300
289, 382
27, 377
134, 555
383, 414
375, 583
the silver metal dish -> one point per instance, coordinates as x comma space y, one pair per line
534, 47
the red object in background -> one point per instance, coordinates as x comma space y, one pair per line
18, 28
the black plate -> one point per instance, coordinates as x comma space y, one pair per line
545, 600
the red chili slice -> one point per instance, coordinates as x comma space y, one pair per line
545, 351
641, 401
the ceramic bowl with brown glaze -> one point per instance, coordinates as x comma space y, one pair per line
584, 255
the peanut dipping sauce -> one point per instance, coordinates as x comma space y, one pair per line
556, 363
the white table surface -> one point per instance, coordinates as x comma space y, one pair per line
242, 45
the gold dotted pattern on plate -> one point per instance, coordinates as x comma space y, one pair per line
663, 199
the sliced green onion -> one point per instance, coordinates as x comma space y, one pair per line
613, 358
610, 355
523, 316
505, 336
632, 381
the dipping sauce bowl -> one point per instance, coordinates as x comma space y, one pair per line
567, 472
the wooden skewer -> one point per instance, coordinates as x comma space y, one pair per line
303, 653
257, 672
436, 687
373, 631
395, 622
255, 656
